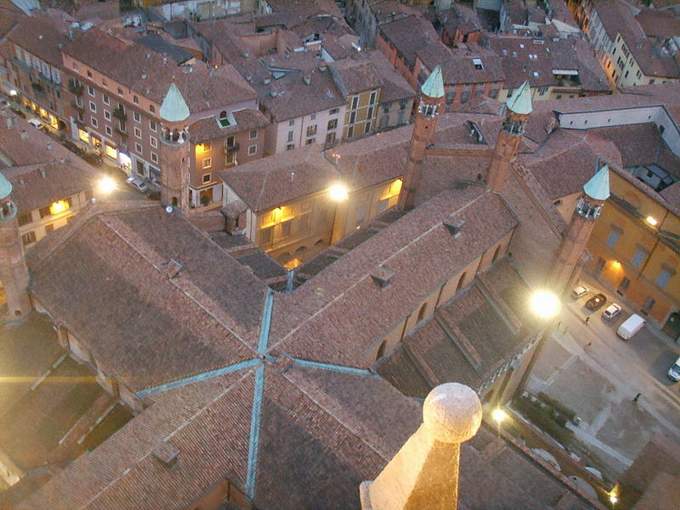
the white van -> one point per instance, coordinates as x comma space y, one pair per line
630, 326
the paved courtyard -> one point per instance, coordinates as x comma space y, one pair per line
597, 375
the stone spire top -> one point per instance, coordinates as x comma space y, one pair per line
434, 85
174, 108
424, 473
520, 101
597, 187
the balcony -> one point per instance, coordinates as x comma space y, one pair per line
75, 87
228, 149
119, 113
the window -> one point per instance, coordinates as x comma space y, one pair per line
93, 107
153, 141
290, 146
49, 228
135, 99
28, 238
311, 130
614, 236
330, 138
152, 125
352, 117
367, 127
370, 113
90, 90
25, 219
664, 277
252, 150
207, 162
138, 132
154, 157
332, 124
312, 116
350, 132
625, 282
137, 116
120, 91
372, 99
107, 115
206, 178
333, 111
152, 108
639, 257
89, 73
290, 136
310, 141
291, 122
94, 122
285, 228
355, 102
138, 148
231, 141
478, 64
253, 134
106, 99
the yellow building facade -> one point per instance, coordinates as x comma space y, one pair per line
361, 116
635, 250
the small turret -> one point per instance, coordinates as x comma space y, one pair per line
573, 246
430, 105
175, 149
13, 270
518, 108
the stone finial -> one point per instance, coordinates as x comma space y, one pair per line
452, 413
424, 473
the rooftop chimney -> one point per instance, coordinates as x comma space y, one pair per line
424, 473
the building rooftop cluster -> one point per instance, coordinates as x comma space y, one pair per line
218, 374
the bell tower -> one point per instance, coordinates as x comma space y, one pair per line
430, 104
175, 153
573, 246
518, 108
13, 270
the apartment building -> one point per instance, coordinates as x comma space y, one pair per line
35, 67
115, 109
626, 53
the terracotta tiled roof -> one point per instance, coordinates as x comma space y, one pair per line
209, 128
270, 182
175, 301
150, 74
355, 75
408, 35
458, 66
662, 24
394, 85
42, 36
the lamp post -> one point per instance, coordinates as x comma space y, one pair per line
106, 185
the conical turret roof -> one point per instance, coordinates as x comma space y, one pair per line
174, 108
598, 185
5, 187
434, 85
520, 102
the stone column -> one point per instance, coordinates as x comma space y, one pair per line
424, 473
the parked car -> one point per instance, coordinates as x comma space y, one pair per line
579, 291
630, 326
674, 371
596, 302
35, 122
611, 311
138, 183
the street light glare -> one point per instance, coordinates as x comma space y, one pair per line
545, 304
106, 185
499, 415
338, 192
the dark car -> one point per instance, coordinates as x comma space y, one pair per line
596, 302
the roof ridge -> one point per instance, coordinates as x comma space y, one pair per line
366, 275
180, 427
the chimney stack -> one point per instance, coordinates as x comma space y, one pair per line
424, 473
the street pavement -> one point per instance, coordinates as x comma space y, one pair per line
591, 370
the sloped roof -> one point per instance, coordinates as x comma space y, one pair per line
174, 108
520, 101
434, 85
598, 185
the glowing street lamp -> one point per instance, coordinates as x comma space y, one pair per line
545, 304
652, 221
499, 416
106, 185
614, 495
338, 192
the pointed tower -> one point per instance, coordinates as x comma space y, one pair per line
588, 208
431, 103
13, 270
518, 109
425, 472
175, 156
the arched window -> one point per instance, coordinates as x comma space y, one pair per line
422, 312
